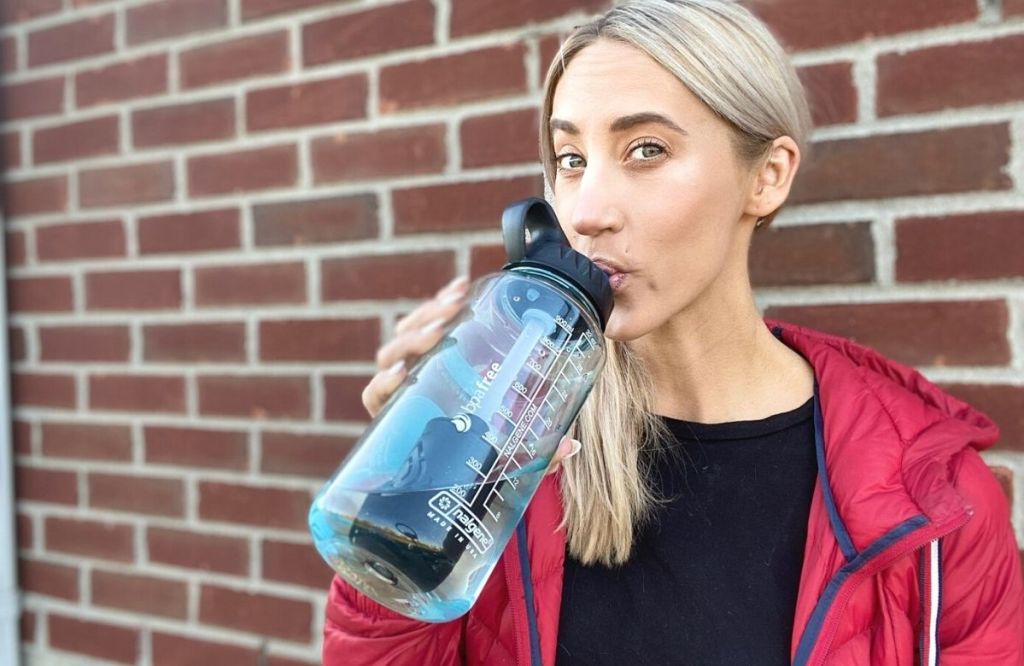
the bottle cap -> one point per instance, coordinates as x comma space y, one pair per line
533, 237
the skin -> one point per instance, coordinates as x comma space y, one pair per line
674, 205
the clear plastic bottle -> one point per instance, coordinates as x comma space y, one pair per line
420, 511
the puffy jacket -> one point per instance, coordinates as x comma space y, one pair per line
910, 554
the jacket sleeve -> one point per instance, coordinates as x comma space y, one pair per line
360, 632
981, 619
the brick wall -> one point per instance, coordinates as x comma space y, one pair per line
217, 209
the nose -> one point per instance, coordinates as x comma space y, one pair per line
595, 209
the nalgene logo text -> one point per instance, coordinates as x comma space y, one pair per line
460, 515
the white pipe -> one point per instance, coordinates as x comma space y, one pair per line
10, 605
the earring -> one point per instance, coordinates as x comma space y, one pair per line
760, 221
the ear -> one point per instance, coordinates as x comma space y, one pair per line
773, 179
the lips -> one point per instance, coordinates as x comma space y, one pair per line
615, 271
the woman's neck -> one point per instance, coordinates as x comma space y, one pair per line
720, 363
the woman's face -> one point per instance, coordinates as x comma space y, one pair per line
647, 179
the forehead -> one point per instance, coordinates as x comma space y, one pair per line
608, 79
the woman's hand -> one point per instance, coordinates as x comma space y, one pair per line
415, 334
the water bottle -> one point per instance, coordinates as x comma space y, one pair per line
418, 514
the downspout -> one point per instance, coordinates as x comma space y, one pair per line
10, 636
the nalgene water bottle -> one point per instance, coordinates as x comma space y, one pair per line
418, 514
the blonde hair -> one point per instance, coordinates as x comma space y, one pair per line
730, 61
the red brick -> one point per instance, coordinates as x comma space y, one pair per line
454, 79
254, 284
194, 447
502, 138
243, 171
307, 103
471, 17
484, 259
315, 456
133, 290
937, 333
48, 194
253, 505
176, 124
90, 36
254, 396
140, 594
197, 550
459, 206
27, 626
137, 393
176, 650
84, 343
86, 138
362, 33
16, 344
139, 77
173, 18
95, 639
916, 163
43, 390
123, 185
263, 614
1013, 7
343, 398
24, 531
548, 46
9, 54
319, 340
190, 232
153, 495
210, 343
315, 221
1003, 403
39, 294
839, 22
88, 441
11, 150
295, 562
48, 578
17, 251
813, 254
951, 76
418, 275
80, 240
830, 92
21, 436
90, 538
38, 97
231, 60
254, 9
1004, 475
386, 153
983, 246
35, 484
15, 11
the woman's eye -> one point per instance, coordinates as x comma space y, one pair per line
569, 161
646, 151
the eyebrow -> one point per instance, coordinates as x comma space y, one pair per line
622, 123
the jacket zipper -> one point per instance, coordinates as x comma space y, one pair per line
882, 560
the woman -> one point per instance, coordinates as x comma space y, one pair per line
744, 493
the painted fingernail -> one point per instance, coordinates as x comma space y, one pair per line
433, 326
396, 368
452, 297
456, 284
576, 446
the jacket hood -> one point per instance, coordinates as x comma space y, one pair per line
871, 402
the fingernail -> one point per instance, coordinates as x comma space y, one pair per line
453, 297
396, 368
433, 326
576, 446
457, 282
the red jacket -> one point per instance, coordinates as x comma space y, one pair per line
908, 531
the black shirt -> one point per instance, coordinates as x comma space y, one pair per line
713, 580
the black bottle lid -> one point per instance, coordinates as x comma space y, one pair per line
534, 238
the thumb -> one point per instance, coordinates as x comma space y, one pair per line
567, 448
